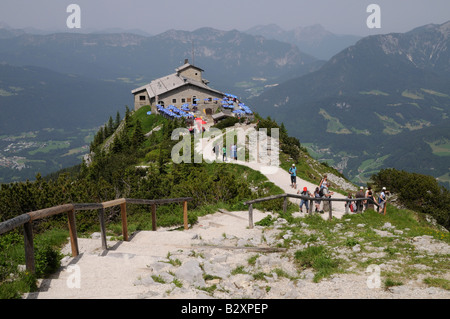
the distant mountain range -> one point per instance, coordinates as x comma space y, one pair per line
314, 40
233, 61
372, 91
350, 110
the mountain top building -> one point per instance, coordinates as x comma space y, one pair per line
186, 86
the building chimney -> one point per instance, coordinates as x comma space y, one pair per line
186, 61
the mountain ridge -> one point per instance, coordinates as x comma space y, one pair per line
381, 86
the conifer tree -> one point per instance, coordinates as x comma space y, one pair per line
117, 121
138, 136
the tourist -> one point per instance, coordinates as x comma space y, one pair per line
359, 203
317, 202
293, 172
370, 201
324, 182
326, 193
234, 152
224, 154
382, 200
305, 192
366, 195
350, 204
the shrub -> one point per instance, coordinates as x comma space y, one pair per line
47, 260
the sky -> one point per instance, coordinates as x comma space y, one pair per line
154, 17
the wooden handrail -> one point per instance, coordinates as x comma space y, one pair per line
27, 219
311, 199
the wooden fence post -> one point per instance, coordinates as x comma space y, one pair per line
29, 248
311, 204
123, 213
330, 214
250, 216
285, 202
73, 232
101, 215
154, 217
185, 216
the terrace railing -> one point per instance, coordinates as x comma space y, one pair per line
26, 220
310, 199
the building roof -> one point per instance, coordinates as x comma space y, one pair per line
173, 81
187, 65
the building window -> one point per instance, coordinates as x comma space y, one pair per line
183, 100
142, 98
174, 100
189, 100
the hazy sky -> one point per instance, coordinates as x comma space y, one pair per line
338, 16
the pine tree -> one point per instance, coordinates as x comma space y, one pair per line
117, 121
138, 136
110, 127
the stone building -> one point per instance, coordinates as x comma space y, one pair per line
186, 86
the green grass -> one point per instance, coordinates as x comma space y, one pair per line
322, 238
437, 282
51, 146
12, 254
374, 92
412, 95
334, 125
318, 258
440, 147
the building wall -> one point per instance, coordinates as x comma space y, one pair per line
192, 73
138, 103
178, 97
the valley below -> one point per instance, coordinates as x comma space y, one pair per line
45, 151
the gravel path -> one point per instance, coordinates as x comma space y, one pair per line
212, 260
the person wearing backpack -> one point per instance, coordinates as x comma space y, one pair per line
317, 195
305, 192
359, 203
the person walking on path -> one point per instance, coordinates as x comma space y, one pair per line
303, 201
293, 172
324, 182
224, 154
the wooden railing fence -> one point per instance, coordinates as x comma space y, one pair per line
27, 221
310, 199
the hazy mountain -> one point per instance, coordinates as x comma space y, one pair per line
230, 58
314, 40
33, 98
380, 87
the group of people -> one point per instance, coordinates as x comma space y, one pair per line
232, 154
369, 203
322, 191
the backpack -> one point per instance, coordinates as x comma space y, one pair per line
321, 192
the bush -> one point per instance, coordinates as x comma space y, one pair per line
47, 260
417, 192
